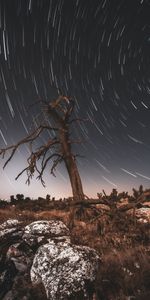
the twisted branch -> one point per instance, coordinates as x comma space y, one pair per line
60, 110
30, 138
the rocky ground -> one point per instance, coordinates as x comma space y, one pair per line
104, 256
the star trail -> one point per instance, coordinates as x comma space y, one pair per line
97, 52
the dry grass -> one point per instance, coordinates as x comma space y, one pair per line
54, 214
122, 243
9, 213
124, 274
30, 216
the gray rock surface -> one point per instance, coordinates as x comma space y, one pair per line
64, 269
15, 259
8, 227
42, 252
143, 214
40, 232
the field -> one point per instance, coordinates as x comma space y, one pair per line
120, 239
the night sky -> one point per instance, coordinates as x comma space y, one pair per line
97, 52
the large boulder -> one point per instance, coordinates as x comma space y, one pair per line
41, 232
10, 227
143, 214
146, 204
65, 269
102, 207
12, 259
42, 252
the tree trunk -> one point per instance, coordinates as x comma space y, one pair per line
69, 159
61, 117
75, 179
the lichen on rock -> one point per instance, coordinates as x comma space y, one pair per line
64, 269
42, 252
40, 232
8, 227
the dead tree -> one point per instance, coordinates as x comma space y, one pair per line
56, 150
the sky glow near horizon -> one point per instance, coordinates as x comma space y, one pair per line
97, 52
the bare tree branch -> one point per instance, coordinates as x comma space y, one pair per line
58, 160
33, 159
59, 112
30, 138
44, 165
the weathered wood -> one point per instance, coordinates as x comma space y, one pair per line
88, 203
56, 149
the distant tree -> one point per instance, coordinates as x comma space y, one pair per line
20, 197
139, 192
99, 195
135, 193
105, 195
27, 199
123, 195
48, 197
12, 199
113, 195
56, 150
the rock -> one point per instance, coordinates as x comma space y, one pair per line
143, 214
64, 269
40, 232
8, 273
80, 224
8, 296
123, 202
15, 264
8, 227
102, 207
146, 204
21, 256
15, 258
44, 250
9, 223
19, 290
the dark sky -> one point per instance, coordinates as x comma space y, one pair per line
97, 52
